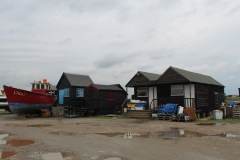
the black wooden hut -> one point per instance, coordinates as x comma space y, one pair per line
103, 99
71, 89
144, 86
189, 89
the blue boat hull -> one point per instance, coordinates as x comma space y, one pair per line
23, 108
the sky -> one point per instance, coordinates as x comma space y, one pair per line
112, 40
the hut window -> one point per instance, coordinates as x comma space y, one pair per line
142, 92
79, 92
111, 96
66, 92
177, 90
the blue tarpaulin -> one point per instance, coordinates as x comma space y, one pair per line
232, 104
141, 105
168, 109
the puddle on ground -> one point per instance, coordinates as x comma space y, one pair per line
66, 155
62, 133
52, 155
176, 132
171, 138
2, 137
232, 135
113, 134
48, 156
173, 133
6, 154
111, 157
39, 125
211, 124
229, 135
19, 143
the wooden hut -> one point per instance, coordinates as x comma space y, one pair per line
103, 99
144, 86
189, 89
71, 89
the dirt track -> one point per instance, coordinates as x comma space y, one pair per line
115, 139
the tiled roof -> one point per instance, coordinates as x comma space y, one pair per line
78, 80
150, 76
196, 77
107, 87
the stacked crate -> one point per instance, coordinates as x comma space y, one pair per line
236, 113
131, 106
137, 105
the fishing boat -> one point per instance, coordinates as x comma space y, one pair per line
30, 102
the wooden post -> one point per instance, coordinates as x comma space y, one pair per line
190, 95
209, 114
198, 116
224, 113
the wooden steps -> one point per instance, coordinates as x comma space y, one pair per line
236, 113
138, 114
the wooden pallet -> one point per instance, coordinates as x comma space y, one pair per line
236, 113
164, 117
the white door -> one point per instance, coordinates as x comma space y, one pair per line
189, 92
152, 94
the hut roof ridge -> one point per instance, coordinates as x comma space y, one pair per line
196, 77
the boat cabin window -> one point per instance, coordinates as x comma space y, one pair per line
38, 86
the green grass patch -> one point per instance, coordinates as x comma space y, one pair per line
99, 117
211, 120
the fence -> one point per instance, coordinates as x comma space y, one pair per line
184, 102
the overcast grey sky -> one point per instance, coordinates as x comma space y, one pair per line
110, 40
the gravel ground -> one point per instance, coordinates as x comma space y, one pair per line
115, 139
